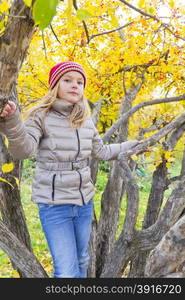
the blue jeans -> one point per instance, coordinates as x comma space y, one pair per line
67, 229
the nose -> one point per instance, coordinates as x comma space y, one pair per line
74, 84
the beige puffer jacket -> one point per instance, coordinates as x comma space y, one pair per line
57, 180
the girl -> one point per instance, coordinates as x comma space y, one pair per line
60, 133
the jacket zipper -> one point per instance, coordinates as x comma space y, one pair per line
53, 187
77, 134
80, 188
78, 143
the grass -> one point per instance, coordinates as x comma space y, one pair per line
31, 213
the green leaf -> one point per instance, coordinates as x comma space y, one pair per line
83, 14
43, 12
28, 2
140, 172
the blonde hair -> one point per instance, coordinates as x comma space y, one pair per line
79, 114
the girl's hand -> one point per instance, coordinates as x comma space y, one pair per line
8, 109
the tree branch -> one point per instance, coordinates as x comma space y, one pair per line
170, 143
148, 238
54, 34
132, 200
19, 254
169, 254
84, 24
141, 147
44, 44
166, 26
110, 31
139, 10
89, 38
125, 116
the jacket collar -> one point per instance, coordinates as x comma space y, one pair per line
63, 107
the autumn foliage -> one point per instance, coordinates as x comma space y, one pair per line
133, 53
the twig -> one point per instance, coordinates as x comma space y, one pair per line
84, 24
13, 16
55, 34
110, 31
139, 10
44, 44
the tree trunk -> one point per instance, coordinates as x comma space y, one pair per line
10, 202
159, 185
113, 193
13, 47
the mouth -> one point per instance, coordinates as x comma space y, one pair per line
73, 93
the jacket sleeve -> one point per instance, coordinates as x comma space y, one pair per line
23, 137
111, 151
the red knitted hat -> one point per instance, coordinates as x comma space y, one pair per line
60, 69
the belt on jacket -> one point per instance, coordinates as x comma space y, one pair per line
63, 165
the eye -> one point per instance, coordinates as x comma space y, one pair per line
66, 80
80, 82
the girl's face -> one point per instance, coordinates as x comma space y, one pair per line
71, 87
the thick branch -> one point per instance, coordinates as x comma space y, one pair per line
19, 254
170, 143
132, 200
96, 111
125, 116
169, 254
157, 136
148, 238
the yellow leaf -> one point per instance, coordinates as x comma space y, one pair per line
134, 157
141, 3
17, 181
7, 167
69, 14
28, 2
167, 155
168, 165
4, 180
6, 141
172, 3
4, 5
171, 159
151, 168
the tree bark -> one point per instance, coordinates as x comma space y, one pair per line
13, 47
19, 254
159, 185
114, 191
10, 203
146, 239
165, 259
